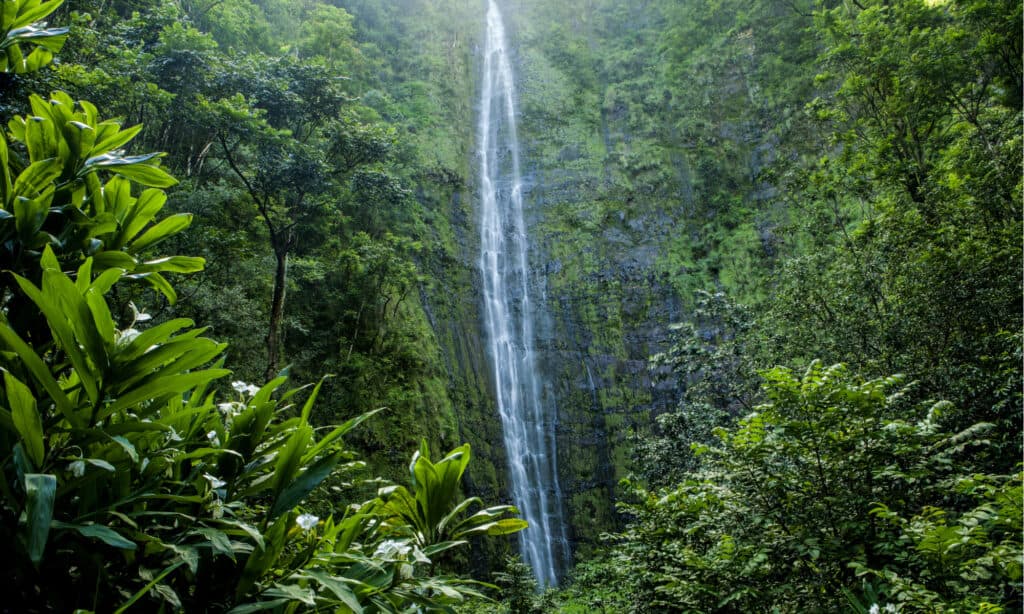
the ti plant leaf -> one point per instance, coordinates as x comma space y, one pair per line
26, 418
40, 493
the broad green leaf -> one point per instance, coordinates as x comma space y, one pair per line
113, 259
6, 187
456, 512
218, 540
178, 355
149, 203
117, 197
303, 485
160, 284
293, 592
172, 264
102, 464
259, 606
163, 229
26, 418
37, 178
340, 590
106, 143
440, 547
29, 215
153, 336
105, 280
238, 527
114, 161
40, 139
41, 373
40, 493
61, 287
187, 555
339, 431
98, 531
148, 175
84, 276
504, 526
289, 461
307, 408
70, 321
28, 14
263, 559
102, 318
160, 389
91, 113
80, 138
127, 446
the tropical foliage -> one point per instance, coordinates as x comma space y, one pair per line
847, 488
805, 183
130, 481
836, 491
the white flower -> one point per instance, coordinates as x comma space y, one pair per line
212, 436
126, 336
138, 315
419, 557
891, 608
231, 408
244, 388
391, 550
306, 521
874, 609
77, 468
214, 481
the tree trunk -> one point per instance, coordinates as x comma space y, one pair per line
276, 315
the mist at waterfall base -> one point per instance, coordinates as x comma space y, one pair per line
527, 424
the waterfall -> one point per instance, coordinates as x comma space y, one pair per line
527, 423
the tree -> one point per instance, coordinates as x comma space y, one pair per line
711, 360
914, 214
809, 493
293, 157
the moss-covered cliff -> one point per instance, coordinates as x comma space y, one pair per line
645, 130
646, 127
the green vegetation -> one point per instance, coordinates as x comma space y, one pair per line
833, 487
715, 188
129, 482
889, 241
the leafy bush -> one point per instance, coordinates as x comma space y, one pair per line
833, 479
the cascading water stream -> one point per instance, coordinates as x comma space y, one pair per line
528, 424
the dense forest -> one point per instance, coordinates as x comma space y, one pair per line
774, 264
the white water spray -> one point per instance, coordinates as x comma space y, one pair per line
528, 424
